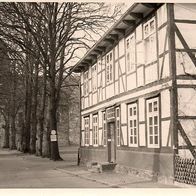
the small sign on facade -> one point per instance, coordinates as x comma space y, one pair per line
110, 113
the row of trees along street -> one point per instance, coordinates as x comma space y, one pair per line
39, 42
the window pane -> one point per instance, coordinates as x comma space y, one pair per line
127, 43
107, 58
150, 121
146, 30
151, 139
135, 133
118, 124
131, 131
150, 107
134, 123
134, 110
131, 140
131, 124
155, 130
151, 130
130, 111
117, 112
155, 120
156, 139
155, 106
152, 26
110, 56
135, 140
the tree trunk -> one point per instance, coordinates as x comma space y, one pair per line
34, 113
28, 104
41, 126
6, 135
46, 144
20, 132
46, 138
53, 126
13, 110
12, 132
54, 155
27, 125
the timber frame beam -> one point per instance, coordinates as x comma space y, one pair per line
186, 139
172, 62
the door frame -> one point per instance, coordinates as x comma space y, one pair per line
111, 141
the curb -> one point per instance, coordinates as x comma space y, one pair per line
92, 179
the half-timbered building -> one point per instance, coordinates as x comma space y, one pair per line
138, 97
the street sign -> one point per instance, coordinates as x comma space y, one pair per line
53, 138
53, 132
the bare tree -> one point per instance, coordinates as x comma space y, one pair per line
57, 31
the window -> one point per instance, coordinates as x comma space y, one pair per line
86, 83
118, 126
95, 130
132, 125
150, 41
109, 67
130, 53
86, 131
153, 126
104, 130
94, 78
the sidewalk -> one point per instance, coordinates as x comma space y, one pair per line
112, 179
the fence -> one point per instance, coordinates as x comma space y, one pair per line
185, 170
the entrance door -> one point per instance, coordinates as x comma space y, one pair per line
111, 142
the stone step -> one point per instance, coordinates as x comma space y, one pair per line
101, 167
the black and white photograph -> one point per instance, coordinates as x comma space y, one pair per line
97, 95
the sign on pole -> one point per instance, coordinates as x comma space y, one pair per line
53, 137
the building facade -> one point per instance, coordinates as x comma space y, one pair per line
138, 106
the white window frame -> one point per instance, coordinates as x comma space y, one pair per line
104, 129
86, 83
150, 41
153, 122
94, 78
118, 126
131, 53
95, 130
133, 125
86, 131
109, 67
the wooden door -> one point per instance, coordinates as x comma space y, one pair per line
111, 142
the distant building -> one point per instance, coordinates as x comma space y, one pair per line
68, 115
138, 93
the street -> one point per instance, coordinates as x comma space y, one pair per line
20, 170
28, 171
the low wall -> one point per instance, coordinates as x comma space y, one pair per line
157, 166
